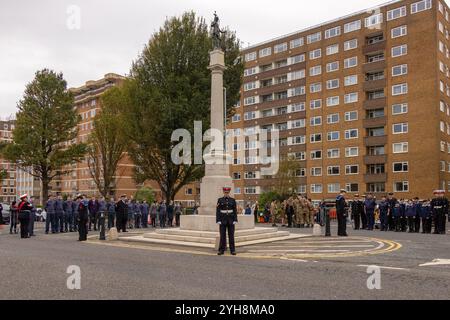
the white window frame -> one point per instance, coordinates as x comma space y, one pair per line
333, 32
348, 116
331, 138
404, 190
348, 134
402, 163
347, 62
314, 37
265, 52
403, 87
396, 13
401, 70
348, 43
403, 106
347, 152
427, 4
404, 127
333, 66
347, 81
332, 49
315, 54
333, 101
296, 43
373, 20
403, 48
352, 26
403, 31
333, 118
404, 146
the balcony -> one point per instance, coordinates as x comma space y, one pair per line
368, 160
375, 47
374, 66
375, 141
375, 178
374, 122
375, 104
371, 85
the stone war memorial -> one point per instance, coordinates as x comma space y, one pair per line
201, 230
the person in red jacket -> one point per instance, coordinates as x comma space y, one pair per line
24, 211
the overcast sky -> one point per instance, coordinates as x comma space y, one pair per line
35, 35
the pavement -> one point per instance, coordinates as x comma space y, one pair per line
410, 267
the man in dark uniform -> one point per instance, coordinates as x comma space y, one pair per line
439, 207
50, 219
357, 208
226, 217
384, 209
341, 211
59, 210
425, 214
93, 212
68, 215
369, 209
392, 202
122, 214
75, 206
83, 217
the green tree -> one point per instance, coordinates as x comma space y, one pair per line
169, 89
285, 181
268, 197
46, 126
107, 143
145, 194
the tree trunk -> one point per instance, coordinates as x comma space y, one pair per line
45, 187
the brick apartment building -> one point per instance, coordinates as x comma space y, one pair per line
362, 102
8, 191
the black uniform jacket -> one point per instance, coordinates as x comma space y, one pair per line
226, 209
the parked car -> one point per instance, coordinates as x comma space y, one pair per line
6, 213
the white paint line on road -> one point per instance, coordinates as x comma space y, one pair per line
284, 251
436, 262
384, 267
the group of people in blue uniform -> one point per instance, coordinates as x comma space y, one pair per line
404, 215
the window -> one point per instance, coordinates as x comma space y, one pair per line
350, 44
316, 137
333, 66
376, 187
332, 84
351, 116
236, 117
316, 172
399, 32
315, 54
297, 59
236, 175
316, 188
250, 56
298, 91
250, 115
374, 20
396, 13
399, 89
249, 72
250, 175
300, 74
351, 97
249, 86
351, 152
250, 190
332, 101
333, 49
314, 71
236, 146
297, 43
351, 80
352, 187
249, 101
401, 186
298, 140
399, 108
399, 70
333, 32
401, 147
315, 121
351, 169
351, 134
315, 87
280, 47
400, 167
333, 118
352, 26
350, 62
333, 136
400, 51
315, 37
420, 6
315, 104
442, 106
334, 188
316, 155
399, 128
333, 153
265, 52
300, 123
298, 107
267, 113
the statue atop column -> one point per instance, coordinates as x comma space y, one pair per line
216, 32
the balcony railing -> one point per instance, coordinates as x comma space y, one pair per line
378, 159
374, 122
375, 141
370, 85
375, 178
374, 47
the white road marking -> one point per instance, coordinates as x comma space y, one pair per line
436, 262
384, 267
317, 251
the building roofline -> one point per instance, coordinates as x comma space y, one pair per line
385, 4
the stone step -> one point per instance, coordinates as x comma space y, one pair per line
261, 236
143, 240
207, 234
175, 237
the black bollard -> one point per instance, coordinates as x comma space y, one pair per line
327, 223
102, 226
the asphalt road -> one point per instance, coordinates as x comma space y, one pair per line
37, 269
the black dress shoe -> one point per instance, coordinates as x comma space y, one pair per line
220, 253
233, 253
